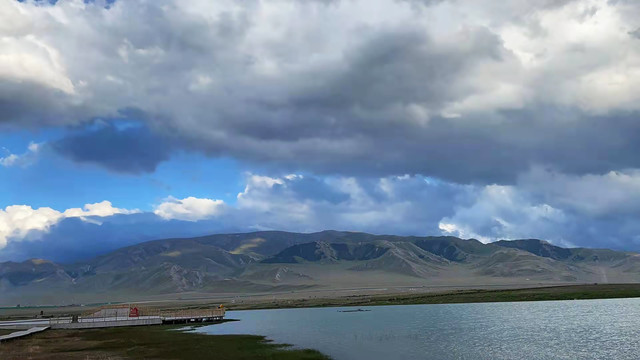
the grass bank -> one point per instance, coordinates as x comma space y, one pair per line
147, 342
572, 292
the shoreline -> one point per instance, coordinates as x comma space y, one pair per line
149, 342
547, 293
178, 342
419, 296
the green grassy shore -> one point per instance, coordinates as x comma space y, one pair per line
149, 342
572, 292
420, 296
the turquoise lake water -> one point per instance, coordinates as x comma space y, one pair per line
581, 329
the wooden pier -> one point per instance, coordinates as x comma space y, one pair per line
131, 315
22, 333
122, 315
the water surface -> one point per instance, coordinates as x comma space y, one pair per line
581, 329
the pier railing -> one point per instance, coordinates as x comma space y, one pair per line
60, 320
134, 311
186, 313
133, 315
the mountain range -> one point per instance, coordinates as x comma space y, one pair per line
274, 261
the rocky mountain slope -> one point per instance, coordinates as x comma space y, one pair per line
279, 261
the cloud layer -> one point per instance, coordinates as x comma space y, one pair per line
468, 91
512, 118
22, 222
189, 209
405, 205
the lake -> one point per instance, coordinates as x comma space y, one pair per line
581, 329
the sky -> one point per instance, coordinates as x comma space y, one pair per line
127, 121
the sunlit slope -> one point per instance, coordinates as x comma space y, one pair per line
274, 261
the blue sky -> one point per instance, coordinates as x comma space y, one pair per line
51, 180
126, 121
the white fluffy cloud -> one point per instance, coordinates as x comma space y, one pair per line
502, 212
18, 220
22, 222
101, 209
567, 210
403, 205
588, 210
21, 160
400, 205
593, 195
189, 209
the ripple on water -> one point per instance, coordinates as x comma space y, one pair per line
584, 329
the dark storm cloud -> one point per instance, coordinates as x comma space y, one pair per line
565, 139
399, 67
130, 150
323, 94
371, 94
32, 105
372, 116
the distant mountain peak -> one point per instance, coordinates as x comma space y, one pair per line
282, 261
537, 247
